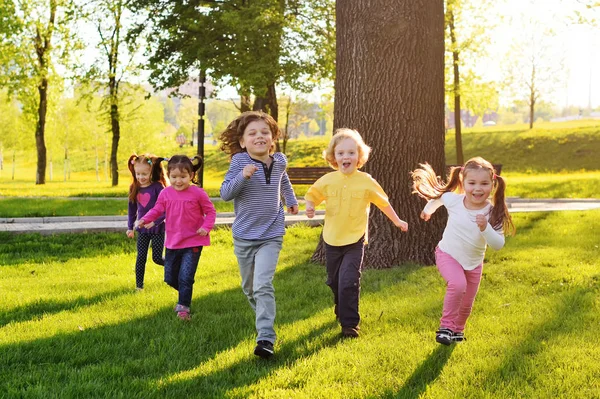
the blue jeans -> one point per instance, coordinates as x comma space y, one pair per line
180, 269
257, 260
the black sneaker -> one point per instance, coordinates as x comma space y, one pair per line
264, 349
444, 336
458, 337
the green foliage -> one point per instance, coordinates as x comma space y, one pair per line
73, 325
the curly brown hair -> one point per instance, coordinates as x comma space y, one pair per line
231, 136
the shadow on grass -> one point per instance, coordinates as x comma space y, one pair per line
40, 308
38, 249
519, 368
427, 372
144, 357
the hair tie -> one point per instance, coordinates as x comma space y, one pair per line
495, 176
149, 161
462, 168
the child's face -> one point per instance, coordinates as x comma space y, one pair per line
180, 179
346, 156
478, 187
143, 172
257, 139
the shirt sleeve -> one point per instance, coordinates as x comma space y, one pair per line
210, 214
131, 214
161, 218
234, 180
315, 192
432, 206
286, 186
158, 210
377, 196
495, 239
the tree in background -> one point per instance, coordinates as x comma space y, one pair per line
112, 22
390, 87
12, 130
37, 39
253, 46
467, 34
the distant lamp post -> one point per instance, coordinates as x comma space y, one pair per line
201, 109
181, 140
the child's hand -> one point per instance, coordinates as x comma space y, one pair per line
402, 226
481, 222
149, 225
202, 232
249, 170
425, 216
139, 224
130, 233
310, 212
293, 209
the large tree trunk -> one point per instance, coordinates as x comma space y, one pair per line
116, 135
390, 87
268, 102
40, 141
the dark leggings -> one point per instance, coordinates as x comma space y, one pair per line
143, 243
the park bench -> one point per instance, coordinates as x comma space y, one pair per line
309, 175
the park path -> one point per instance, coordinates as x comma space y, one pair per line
80, 224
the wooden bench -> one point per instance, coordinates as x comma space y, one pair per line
307, 175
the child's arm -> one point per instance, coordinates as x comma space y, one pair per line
430, 208
310, 209
288, 194
210, 213
235, 179
495, 239
131, 216
391, 214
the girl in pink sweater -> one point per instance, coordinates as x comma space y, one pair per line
190, 216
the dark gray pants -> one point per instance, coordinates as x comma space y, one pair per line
343, 277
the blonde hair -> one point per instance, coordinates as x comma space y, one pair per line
427, 185
343, 134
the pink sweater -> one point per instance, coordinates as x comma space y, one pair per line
186, 211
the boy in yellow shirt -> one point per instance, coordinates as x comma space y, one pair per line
348, 194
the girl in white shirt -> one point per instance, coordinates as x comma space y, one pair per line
474, 221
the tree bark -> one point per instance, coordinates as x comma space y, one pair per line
390, 87
40, 141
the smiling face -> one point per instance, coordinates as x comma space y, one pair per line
346, 156
180, 179
477, 184
143, 172
257, 140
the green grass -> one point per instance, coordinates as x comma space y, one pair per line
73, 326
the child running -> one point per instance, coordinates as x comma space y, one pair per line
190, 216
148, 181
473, 222
256, 181
348, 194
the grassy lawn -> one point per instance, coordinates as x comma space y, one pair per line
73, 326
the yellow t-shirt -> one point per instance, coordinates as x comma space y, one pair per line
348, 200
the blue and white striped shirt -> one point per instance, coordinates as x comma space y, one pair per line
259, 213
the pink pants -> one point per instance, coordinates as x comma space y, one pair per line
461, 288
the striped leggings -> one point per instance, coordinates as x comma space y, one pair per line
143, 243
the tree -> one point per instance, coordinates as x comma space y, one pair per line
253, 46
33, 45
390, 87
111, 20
466, 38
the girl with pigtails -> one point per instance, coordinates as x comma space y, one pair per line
148, 181
477, 216
190, 216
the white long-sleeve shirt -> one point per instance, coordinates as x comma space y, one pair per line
462, 238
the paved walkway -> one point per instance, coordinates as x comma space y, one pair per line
80, 224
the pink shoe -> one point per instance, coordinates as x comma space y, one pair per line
184, 315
